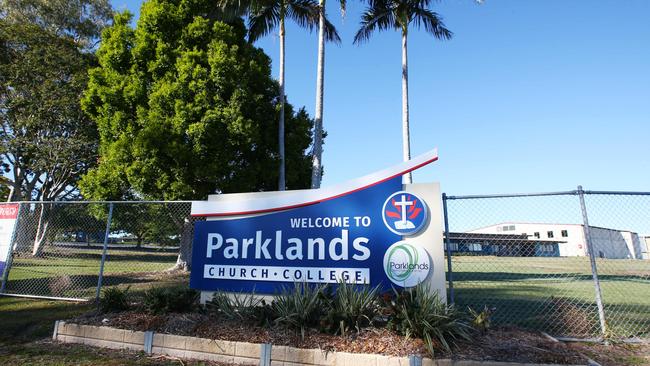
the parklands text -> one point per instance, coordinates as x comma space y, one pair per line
341, 247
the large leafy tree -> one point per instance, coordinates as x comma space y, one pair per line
45, 51
186, 107
381, 15
81, 20
46, 141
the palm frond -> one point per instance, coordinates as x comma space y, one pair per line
343, 6
378, 17
304, 12
431, 21
330, 32
264, 17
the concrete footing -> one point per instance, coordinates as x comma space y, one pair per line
242, 353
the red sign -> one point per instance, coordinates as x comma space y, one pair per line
8, 210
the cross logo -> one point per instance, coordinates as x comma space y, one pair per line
404, 213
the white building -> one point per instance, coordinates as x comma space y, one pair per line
645, 246
607, 243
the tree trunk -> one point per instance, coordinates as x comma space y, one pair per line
25, 229
184, 260
316, 169
14, 192
41, 232
406, 143
281, 179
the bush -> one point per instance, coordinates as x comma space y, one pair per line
241, 306
161, 300
113, 299
481, 321
300, 307
419, 312
352, 306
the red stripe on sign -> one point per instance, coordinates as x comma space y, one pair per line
8, 210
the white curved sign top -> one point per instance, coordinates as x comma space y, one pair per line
300, 198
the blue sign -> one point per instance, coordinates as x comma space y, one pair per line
341, 238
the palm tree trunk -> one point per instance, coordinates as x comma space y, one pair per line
281, 179
316, 169
406, 143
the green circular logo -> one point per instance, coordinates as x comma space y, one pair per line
406, 264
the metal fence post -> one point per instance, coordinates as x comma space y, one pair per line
101, 265
450, 272
10, 252
592, 260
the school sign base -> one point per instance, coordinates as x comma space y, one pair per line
372, 230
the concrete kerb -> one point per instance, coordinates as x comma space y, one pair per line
239, 352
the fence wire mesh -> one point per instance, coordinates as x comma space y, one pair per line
58, 247
622, 223
525, 258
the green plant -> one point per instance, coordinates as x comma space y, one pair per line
300, 306
114, 299
419, 312
481, 320
351, 306
160, 300
240, 306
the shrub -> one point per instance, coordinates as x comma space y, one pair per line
481, 321
160, 300
352, 306
300, 306
113, 299
419, 312
241, 306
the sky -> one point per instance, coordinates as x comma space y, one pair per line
528, 96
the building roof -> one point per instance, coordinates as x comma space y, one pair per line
547, 223
501, 238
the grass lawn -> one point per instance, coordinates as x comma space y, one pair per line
25, 320
72, 272
27, 326
551, 294
556, 294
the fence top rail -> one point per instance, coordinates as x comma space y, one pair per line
448, 197
96, 202
539, 194
620, 193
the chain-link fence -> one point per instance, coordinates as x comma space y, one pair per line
527, 259
59, 249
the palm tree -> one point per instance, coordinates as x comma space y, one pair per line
317, 170
264, 17
399, 14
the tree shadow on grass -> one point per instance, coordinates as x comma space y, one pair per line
64, 259
556, 276
70, 286
537, 308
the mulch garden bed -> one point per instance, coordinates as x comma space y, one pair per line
499, 344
